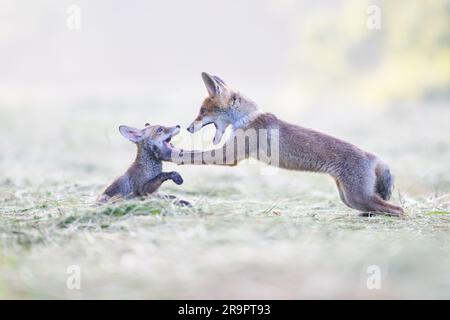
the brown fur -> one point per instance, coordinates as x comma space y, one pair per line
145, 174
363, 180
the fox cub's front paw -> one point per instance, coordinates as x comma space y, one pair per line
175, 176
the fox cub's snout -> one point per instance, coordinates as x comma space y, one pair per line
154, 139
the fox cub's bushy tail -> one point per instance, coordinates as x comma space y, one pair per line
384, 181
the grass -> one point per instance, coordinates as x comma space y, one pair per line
247, 235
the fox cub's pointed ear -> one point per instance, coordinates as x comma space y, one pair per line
131, 134
214, 85
220, 81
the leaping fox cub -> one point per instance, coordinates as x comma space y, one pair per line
364, 181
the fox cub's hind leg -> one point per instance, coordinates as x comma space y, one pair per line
359, 191
369, 203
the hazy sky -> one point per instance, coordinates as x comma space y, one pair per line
298, 50
143, 41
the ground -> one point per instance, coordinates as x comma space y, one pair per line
249, 235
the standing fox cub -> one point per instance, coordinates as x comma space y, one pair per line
145, 175
363, 180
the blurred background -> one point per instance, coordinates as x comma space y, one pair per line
323, 64
375, 73
379, 50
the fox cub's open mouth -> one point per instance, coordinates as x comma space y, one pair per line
167, 142
174, 132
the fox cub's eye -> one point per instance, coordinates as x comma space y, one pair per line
159, 130
203, 110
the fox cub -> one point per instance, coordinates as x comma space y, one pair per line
145, 175
363, 180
